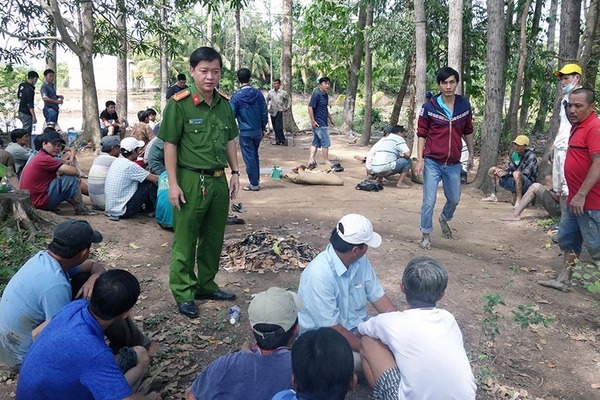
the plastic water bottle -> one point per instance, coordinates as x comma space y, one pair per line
234, 314
4, 186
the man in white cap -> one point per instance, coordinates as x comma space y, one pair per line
264, 369
520, 173
129, 188
337, 285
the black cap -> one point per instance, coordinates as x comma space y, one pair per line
393, 129
52, 137
75, 233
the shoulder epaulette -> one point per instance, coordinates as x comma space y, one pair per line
223, 95
181, 95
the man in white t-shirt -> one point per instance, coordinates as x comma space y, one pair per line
389, 156
417, 353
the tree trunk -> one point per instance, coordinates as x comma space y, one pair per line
89, 96
527, 81
366, 134
570, 12
17, 210
591, 70
51, 53
494, 92
289, 125
421, 65
209, 27
122, 62
238, 38
516, 94
410, 66
591, 24
353, 72
455, 38
164, 61
540, 121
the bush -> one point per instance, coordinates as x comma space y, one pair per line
15, 249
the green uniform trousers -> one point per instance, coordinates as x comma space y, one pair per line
199, 230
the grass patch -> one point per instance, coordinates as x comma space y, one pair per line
548, 223
15, 249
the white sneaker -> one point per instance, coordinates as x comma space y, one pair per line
490, 199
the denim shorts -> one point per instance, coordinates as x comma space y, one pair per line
574, 230
50, 114
508, 183
321, 137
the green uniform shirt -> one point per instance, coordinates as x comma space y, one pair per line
199, 131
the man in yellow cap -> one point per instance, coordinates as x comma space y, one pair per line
569, 77
520, 173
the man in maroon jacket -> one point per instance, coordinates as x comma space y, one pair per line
443, 121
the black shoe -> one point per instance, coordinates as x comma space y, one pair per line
188, 308
219, 295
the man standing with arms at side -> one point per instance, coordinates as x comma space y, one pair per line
278, 102
199, 129
51, 99
26, 94
443, 121
580, 221
318, 111
177, 86
250, 111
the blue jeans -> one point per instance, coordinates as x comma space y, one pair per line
576, 229
51, 114
249, 146
61, 189
433, 173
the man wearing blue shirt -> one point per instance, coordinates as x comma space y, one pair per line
337, 285
318, 111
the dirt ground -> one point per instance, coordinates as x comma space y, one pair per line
486, 257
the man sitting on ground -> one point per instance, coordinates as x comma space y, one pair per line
520, 173
417, 353
266, 368
549, 199
50, 181
109, 120
322, 365
70, 359
389, 156
129, 188
111, 149
19, 148
142, 131
337, 285
46, 283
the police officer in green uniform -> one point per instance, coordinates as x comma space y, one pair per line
199, 129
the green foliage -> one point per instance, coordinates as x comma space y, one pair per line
528, 315
489, 323
588, 275
15, 249
547, 223
10, 78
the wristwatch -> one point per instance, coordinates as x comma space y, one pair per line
235, 172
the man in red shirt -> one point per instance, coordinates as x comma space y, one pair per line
580, 221
49, 181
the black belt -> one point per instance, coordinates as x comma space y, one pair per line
209, 172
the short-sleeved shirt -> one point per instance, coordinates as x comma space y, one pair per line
286, 395
247, 375
106, 116
26, 95
428, 348
48, 91
37, 292
70, 360
142, 131
583, 144
122, 181
156, 156
199, 131
334, 295
20, 154
97, 179
175, 88
319, 103
385, 153
37, 175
